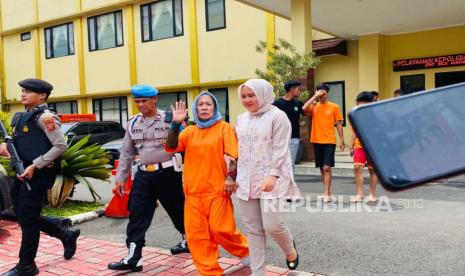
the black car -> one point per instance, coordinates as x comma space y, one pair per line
101, 131
114, 148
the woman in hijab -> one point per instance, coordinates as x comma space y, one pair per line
264, 173
208, 183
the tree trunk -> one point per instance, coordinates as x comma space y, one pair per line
60, 191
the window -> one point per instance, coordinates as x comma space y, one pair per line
64, 107
221, 95
59, 41
165, 100
105, 31
412, 83
215, 14
96, 128
337, 96
25, 36
161, 19
81, 130
448, 78
111, 109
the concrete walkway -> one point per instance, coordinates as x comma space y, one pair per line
93, 256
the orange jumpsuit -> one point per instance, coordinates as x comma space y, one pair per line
208, 212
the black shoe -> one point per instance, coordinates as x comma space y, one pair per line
69, 243
65, 222
23, 270
292, 265
181, 247
133, 261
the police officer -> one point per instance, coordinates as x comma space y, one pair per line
156, 177
39, 142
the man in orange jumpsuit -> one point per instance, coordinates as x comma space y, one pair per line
208, 183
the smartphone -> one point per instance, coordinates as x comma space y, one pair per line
168, 115
414, 139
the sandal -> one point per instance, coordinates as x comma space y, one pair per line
356, 199
292, 265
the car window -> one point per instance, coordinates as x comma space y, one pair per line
80, 129
66, 126
97, 128
113, 128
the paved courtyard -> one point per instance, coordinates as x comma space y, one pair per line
93, 256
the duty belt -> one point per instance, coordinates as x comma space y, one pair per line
156, 166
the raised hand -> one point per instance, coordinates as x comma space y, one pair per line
179, 112
320, 93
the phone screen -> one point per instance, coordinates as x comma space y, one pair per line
416, 138
168, 116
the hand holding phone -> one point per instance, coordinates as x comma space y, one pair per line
414, 139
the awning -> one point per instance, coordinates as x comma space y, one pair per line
330, 46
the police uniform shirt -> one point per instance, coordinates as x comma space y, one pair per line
50, 124
145, 138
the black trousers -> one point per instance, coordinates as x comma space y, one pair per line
164, 185
28, 206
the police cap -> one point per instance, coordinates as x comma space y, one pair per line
36, 85
143, 91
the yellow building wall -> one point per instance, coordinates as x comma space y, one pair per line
107, 70
16, 108
424, 44
50, 9
163, 62
229, 54
92, 4
19, 63
16, 13
369, 63
61, 72
283, 30
380, 51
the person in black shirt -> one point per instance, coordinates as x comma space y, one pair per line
293, 109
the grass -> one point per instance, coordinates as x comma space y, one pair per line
71, 207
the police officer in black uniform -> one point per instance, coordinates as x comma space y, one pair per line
40, 142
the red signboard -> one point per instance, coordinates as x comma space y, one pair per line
68, 118
428, 62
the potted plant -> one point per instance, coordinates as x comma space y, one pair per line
79, 162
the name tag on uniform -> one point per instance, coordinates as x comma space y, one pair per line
137, 130
159, 129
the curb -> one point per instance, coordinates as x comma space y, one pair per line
83, 217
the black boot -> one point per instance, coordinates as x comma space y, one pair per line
181, 247
22, 269
133, 261
69, 242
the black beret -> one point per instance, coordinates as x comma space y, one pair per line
36, 85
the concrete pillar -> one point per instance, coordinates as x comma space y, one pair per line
301, 25
373, 74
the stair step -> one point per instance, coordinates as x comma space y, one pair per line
344, 169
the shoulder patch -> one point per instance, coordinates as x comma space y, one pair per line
49, 122
134, 117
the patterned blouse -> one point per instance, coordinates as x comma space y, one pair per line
264, 151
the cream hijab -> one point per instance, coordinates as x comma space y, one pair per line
264, 92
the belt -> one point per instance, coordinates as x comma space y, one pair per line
156, 166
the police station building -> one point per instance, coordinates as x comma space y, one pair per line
93, 51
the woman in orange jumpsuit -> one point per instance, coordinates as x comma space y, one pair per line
208, 183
